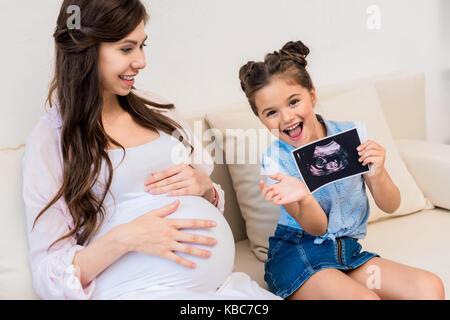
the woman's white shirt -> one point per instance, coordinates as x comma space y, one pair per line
53, 272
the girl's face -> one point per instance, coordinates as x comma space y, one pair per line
120, 62
287, 107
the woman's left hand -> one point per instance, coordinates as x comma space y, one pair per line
372, 153
179, 180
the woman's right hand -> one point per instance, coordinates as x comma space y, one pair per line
154, 235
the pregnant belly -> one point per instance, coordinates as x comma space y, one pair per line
135, 271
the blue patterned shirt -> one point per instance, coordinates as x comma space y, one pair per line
345, 201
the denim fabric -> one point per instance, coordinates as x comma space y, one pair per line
345, 202
293, 258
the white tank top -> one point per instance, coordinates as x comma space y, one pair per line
136, 271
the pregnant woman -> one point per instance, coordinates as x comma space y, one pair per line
116, 206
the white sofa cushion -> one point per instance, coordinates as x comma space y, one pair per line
359, 104
418, 240
15, 273
400, 94
423, 158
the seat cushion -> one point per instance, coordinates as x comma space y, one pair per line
418, 240
246, 261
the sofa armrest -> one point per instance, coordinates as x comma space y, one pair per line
429, 164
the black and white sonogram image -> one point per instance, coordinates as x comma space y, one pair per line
329, 159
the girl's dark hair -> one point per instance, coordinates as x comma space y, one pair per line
77, 88
289, 63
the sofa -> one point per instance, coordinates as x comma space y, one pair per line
394, 110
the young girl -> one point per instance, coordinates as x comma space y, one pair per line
314, 253
105, 198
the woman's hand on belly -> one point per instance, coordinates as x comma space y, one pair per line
179, 180
151, 234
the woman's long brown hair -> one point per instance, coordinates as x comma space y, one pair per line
77, 88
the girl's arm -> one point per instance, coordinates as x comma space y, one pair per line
384, 191
298, 202
309, 215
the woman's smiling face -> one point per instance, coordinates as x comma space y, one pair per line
287, 107
120, 62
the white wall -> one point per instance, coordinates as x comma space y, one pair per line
196, 48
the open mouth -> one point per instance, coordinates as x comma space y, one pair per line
295, 131
129, 80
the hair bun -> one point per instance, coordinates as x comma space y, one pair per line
296, 50
244, 73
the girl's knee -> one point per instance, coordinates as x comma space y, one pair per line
367, 295
429, 287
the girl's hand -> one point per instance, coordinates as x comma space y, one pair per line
373, 154
287, 190
155, 235
179, 180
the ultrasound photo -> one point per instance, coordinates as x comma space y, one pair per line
329, 159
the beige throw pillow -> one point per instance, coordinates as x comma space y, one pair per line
244, 140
